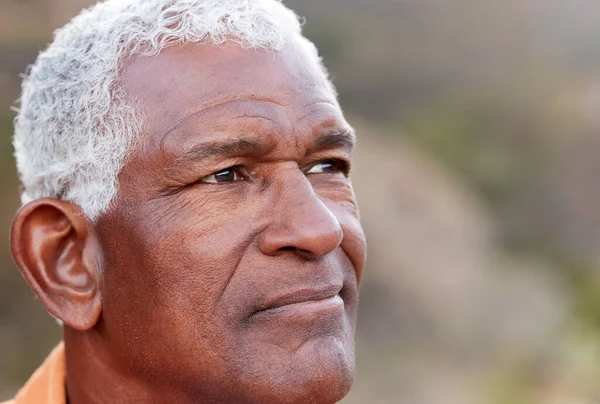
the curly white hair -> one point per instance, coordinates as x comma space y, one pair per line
75, 127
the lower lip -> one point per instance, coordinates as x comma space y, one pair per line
312, 307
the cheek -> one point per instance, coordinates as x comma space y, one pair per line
341, 201
180, 257
197, 252
165, 275
354, 242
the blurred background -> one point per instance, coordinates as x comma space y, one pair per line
478, 176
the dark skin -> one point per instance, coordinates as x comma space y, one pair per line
227, 268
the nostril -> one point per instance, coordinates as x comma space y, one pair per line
299, 251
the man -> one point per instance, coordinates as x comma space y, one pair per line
188, 212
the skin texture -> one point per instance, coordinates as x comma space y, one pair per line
205, 283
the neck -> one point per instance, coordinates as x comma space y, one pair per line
94, 376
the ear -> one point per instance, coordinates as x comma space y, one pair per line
58, 252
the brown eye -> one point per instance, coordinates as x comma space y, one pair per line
227, 175
330, 166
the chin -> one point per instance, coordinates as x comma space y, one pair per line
321, 372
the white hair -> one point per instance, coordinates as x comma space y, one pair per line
75, 128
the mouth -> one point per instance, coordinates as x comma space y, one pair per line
303, 301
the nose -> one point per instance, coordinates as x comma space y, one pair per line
301, 222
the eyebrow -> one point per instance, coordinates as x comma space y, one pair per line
240, 147
237, 147
343, 139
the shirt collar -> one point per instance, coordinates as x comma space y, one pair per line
47, 384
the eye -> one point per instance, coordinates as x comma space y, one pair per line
329, 166
227, 175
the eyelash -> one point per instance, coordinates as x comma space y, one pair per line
340, 166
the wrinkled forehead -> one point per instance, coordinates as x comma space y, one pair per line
184, 79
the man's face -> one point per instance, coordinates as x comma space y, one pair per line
233, 250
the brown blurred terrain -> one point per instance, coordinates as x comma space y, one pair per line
477, 174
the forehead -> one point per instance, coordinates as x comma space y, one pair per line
184, 80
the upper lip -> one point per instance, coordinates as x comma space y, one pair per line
301, 296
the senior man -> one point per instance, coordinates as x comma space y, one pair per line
188, 214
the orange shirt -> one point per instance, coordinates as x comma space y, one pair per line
47, 384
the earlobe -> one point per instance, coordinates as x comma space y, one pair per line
58, 252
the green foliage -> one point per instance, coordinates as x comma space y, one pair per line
6, 132
485, 145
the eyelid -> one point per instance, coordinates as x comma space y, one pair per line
341, 161
342, 165
238, 170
